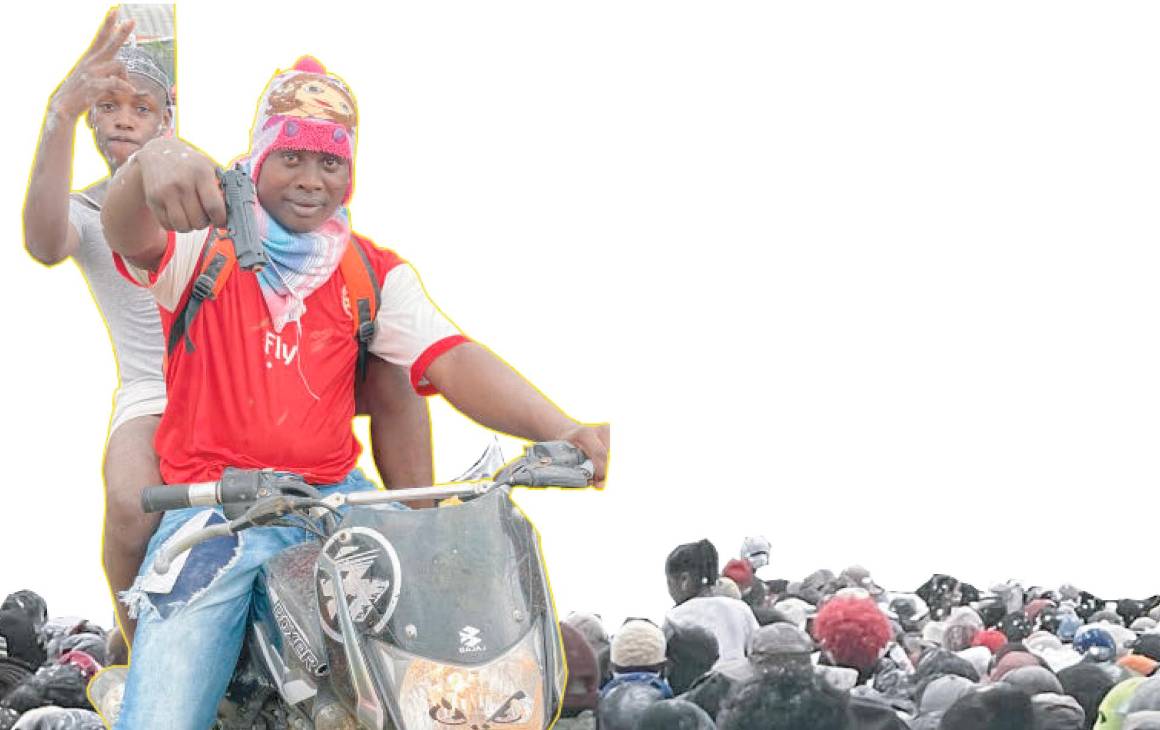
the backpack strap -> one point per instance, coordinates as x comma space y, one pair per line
363, 291
214, 268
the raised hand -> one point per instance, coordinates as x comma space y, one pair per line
98, 71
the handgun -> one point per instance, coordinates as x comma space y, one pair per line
242, 224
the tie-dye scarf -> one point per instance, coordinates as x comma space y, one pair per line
299, 262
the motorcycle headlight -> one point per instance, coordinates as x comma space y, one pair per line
504, 694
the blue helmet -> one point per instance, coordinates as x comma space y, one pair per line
1095, 642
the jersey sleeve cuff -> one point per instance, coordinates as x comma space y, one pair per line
428, 356
142, 277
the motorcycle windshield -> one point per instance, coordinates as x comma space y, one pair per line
470, 583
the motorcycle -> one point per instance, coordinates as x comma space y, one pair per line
392, 619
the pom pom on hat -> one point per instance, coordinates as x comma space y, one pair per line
310, 64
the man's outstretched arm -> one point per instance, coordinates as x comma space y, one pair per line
166, 186
48, 236
491, 393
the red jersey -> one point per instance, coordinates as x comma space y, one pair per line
253, 398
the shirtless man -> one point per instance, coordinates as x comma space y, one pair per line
125, 98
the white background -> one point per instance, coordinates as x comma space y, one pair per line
878, 280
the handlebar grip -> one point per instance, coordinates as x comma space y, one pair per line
562, 476
165, 497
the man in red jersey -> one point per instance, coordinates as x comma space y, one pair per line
265, 373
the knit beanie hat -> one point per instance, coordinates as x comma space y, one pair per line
852, 631
304, 108
638, 643
1057, 712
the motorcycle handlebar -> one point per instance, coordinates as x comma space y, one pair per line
178, 496
236, 486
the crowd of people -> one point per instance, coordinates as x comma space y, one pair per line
736, 652
839, 652
46, 665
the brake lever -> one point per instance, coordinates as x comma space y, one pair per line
166, 557
263, 512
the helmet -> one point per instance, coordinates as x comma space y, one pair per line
1095, 642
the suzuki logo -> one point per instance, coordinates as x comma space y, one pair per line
469, 640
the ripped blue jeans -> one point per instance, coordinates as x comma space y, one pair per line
191, 622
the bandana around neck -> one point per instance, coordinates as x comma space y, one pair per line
299, 262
